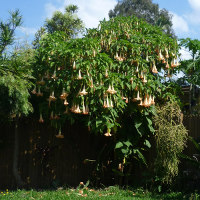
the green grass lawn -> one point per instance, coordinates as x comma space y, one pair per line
111, 193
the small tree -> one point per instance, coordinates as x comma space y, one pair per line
67, 22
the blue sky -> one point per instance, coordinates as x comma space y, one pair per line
186, 14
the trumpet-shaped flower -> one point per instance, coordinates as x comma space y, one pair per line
41, 119
79, 75
138, 98
154, 69
74, 65
83, 92
60, 134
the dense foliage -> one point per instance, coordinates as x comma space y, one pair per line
171, 137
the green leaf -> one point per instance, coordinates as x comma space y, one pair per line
147, 143
127, 143
119, 145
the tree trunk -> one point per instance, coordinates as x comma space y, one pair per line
16, 174
190, 99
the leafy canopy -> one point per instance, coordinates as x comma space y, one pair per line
96, 78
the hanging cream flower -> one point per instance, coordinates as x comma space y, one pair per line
167, 65
73, 107
138, 98
34, 90
77, 109
41, 119
144, 79
39, 93
54, 75
83, 92
149, 100
94, 53
166, 53
160, 56
109, 89
107, 134
74, 65
147, 57
63, 95
106, 74
152, 101
111, 103
142, 75
137, 70
154, 69
41, 82
117, 56
65, 102
60, 134
113, 91
85, 109
141, 103
79, 75
175, 63
146, 102
52, 97
91, 83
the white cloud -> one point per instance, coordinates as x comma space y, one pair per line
90, 11
194, 16
50, 9
27, 30
185, 54
195, 4
179, 24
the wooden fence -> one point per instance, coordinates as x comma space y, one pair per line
45, 161
192, 123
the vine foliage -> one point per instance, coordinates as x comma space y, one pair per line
171, 137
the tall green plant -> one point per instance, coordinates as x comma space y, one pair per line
171, 137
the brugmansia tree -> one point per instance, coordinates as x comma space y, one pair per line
144, 9
108, 79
